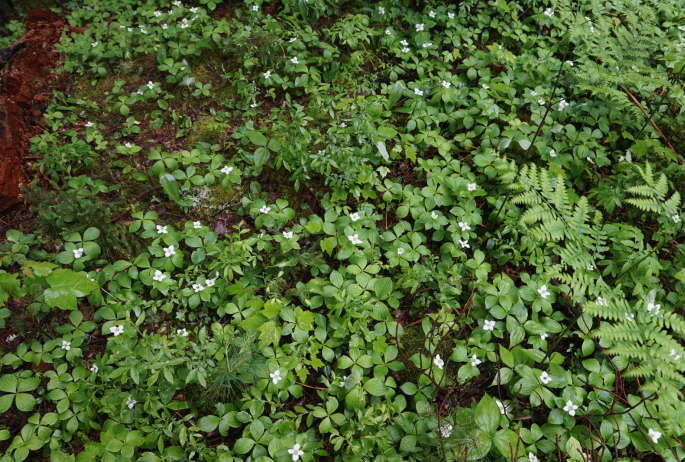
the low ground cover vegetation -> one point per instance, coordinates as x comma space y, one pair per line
352, 231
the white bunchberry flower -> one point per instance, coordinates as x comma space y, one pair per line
570, 408
164, 26
116, 330
532, 457
543, 336
388, 32
570, 63
343, 125
485, 86
66, 345
434, 215
418, 92
130, 402
184, 25
169, 251
177, 3
210, 282
438, 361
292, 40
288, 234
267, 75
130, 29
265, 209
541, 102
94, 44
381, 10
419, 27
294, 60
197, 225
475, 361
502, 408
193, 10
295, 452
431, 14
140, 92
544, 293
400, 251
354, 239
150, 85
354, 216
446, 84
78, 253
652, 306
545, 378
562, 104
227, 170
464, 244
161, 229
159, 276
158, 14
89, 124
427, 44
94, 368
404, 43
446, 431
464, 226
450, 15
182, 332
405, 50
548, 12
654, 435
198, 288
489, 325
276, 377
255, 8
533, 93
472, 186
552, 153
676, 218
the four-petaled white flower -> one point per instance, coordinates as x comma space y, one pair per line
354, 239
652, 306
427, 44
446, 431
276, 377
193, 10
431, 14
472, 186
94, 368
158, 14
159, 276
198, 288
294, 60
475, 361
543, 336
343, 125
89, 124
676, 218
434, 215
400, 251
532, 457
464, 226
545, 378
197, 225
485, 86
164, 26
562, 104
227, 170
464, 244
287, 234
419, 27
66, 345
590, 267
255, 8
150, 85
570, 408
210, 282
502, 408
78, 253
654, 435
418, 92
130, 402
95, 44
533, 93
296, 452
489, 325
354, 216
438, 361
544, 293
548, 12
552, 153
182, 332
169, 251
161, 229
404, 43
267, 75
450, 15
381, 10
265, 209
116, 330
405, 50
446, 84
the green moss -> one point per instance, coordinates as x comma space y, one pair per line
206, 129
211, 201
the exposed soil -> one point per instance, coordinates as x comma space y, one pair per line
24, 93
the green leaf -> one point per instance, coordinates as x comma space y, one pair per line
8, 383
25, 402
209, 423
243, 446
375, 387
5, 402
257, 138
355, 399
384, 152
91, 234
383, 288
170, 186
65, 286
487, 414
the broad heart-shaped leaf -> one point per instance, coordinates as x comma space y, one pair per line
243, 445
487, 415
383, 288
375, 387
8, 383
170, 186
209, 423
65, 286
5, 402
257, 138
25, 402
355, 399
